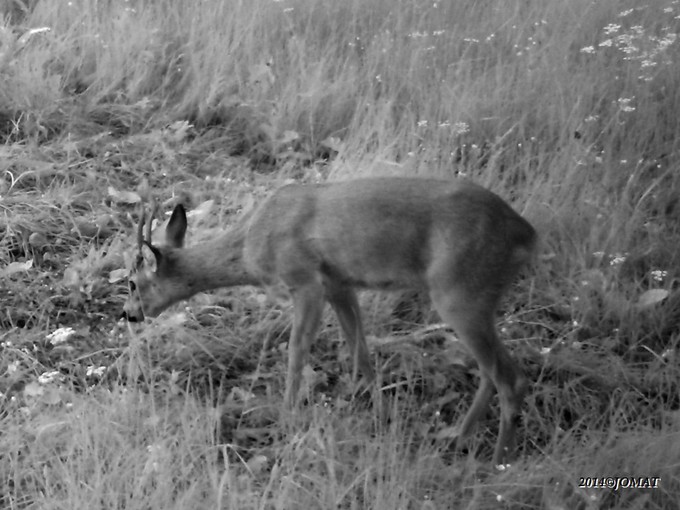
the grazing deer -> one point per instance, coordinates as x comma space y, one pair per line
457, 240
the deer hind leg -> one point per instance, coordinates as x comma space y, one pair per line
344, 302
473, 320
308, 301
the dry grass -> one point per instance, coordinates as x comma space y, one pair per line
568, 109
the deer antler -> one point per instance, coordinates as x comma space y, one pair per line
140, 229
154, 208
144, 227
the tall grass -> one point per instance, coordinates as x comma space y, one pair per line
567, 109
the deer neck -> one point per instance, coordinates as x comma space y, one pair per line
216, 263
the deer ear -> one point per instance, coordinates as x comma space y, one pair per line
152, 256
177, 227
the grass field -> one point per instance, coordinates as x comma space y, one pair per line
569, 110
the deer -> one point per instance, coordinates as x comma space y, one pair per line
456, 240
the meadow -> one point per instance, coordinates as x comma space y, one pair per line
568, 110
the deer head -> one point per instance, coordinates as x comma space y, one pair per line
155, 282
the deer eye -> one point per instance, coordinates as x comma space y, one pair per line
132, 286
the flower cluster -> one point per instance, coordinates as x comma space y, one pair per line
648, 48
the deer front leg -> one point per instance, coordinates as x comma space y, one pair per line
344, 302
472, 318
308, 303
512, 386
479, 407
